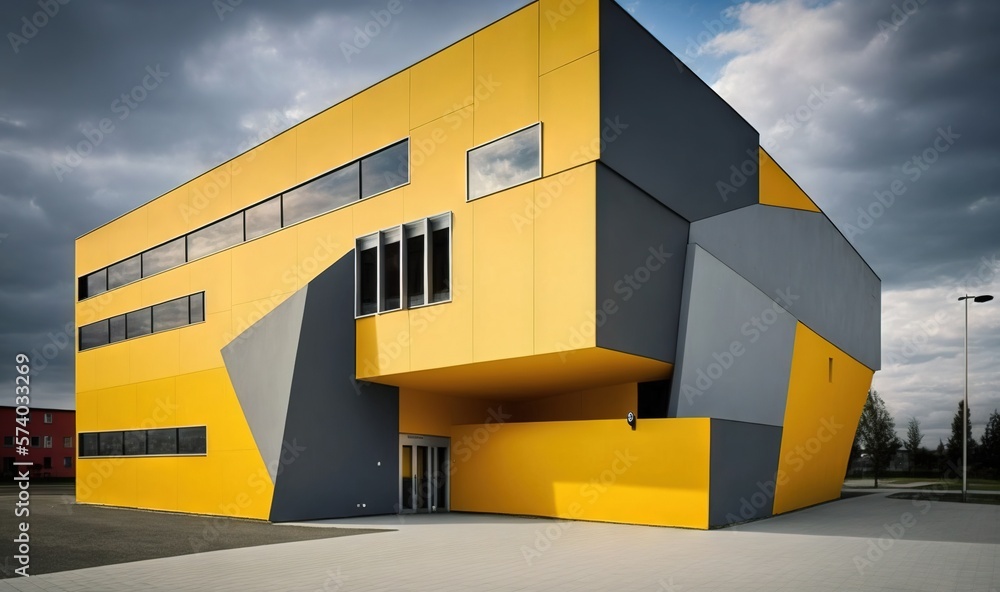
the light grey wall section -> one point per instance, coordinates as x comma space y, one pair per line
744, 466
682, 140
260, 362
837, 295
341, 437
734, 347
640, 269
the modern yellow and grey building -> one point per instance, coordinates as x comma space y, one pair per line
450, 290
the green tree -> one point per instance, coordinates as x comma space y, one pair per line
955, 441
989, 445
913, 439
878, 433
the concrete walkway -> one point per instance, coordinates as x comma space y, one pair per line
862, 543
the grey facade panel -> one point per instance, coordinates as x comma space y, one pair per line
743, 471
640, 269
683, 144
260, 363
835, 293
735, 347
341, 437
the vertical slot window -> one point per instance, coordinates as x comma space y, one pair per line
440, 231
391, 269
367, 280
416, 263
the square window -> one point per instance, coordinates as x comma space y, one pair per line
161, 441
109, 443
135, 442
47, 442
47, 418
191, 440
89, 445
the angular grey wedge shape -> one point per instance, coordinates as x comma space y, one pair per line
261, 364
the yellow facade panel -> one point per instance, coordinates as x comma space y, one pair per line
382, 114
567, 31
126, 236
569, 103
208, 398
321, 242
588, 470
383, 344
201, 345
156, 482
156, 403
506, 74
200, 483
91, 253
503, 277
213, 275
111, 365
378, 213
565, 229
247, 489
167, 285
210, 198
109, 304
264, 268
778, 189
437, 166
110, 481
325, 142
820, 419
154, 356
264, 171
115, 408
441, 84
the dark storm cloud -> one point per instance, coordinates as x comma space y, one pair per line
109, 104
900, 148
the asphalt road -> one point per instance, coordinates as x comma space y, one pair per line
64, 535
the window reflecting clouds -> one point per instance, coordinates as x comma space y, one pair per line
505, 163
212, 239
163, 257
321, 195
385, 170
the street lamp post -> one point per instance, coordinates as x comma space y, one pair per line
965, 404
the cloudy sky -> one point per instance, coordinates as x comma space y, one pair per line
884, 111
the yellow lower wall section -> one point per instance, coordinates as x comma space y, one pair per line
585, 470
821, 415
230, 480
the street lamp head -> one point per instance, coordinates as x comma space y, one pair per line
983, 298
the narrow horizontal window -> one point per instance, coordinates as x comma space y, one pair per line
163, 257
321, 195
171, 315
197, 307
93, 284
135, 442
212, 239
161, 441
126, 272
506, 162
116, 329
138, 323
386, 169
191, 440
263, 218
110, 443
89, 445
153, 442
94, 335
161, 317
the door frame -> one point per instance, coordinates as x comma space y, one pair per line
431, 442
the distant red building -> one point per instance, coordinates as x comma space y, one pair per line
52, 433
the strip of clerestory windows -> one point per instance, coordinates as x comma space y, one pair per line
371, 175
171, 314
404, 266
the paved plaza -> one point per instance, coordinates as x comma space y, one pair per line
867, 542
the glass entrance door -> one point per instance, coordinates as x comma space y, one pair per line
423, 481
